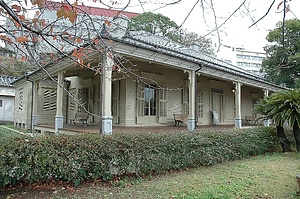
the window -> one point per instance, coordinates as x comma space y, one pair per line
1, 103
247, 57
146, 100
238, 56
246, 64
150, 100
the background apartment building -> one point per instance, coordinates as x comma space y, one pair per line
243, 58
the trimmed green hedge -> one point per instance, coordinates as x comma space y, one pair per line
81, 157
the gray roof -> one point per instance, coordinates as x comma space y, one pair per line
208, 64
184, 52
7, 81
166, 46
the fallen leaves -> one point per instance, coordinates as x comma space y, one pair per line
22, 39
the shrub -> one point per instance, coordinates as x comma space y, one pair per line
92, 156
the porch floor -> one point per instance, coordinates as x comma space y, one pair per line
74, 129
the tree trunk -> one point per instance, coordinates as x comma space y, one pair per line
296, 131
285, 144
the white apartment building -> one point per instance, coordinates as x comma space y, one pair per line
239, 56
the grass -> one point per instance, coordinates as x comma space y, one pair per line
268, 176
7, 133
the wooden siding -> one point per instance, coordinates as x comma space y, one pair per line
7, 108
122, 107
23, 106
130, 102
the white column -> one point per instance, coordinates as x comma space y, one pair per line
35, 104
266, 94
106, 101
238, 105
192, 101
59, 118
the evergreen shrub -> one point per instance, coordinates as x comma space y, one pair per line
74, 158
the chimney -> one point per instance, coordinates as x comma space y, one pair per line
119, 26
195, 47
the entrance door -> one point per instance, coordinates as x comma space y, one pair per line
217, 104
150, 103
146, 104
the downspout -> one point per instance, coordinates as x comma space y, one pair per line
196, 101
68, 99
101, 96
31, 111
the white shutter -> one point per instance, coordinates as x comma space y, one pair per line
162, 105
185, 101
115, 102
200, 107
140, 104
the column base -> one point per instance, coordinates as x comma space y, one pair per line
266, 123
107, 125
191, 124
59, 122
34, 120
238, 123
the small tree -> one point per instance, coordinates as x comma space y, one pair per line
283, 107
269, 109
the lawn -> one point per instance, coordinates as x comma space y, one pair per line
4, 132
268, 176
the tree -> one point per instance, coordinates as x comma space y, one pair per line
9, 65
193, 39
283, 107
282, 65
155, 24
162, 25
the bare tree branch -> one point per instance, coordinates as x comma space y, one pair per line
264, 15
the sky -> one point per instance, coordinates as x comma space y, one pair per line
236, 31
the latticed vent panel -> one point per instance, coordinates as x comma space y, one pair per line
140, 99
49, 100
72, 99
163, 102
200, 104
20, 100
185, 101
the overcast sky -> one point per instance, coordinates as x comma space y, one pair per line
236, 31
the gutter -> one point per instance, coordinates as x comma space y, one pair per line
31, 111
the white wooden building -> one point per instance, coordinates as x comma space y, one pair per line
146, 79
7, 96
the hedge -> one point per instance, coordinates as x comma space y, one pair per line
92, 156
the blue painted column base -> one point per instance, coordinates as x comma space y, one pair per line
107, 125
59, 122
191, 124
238, 123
